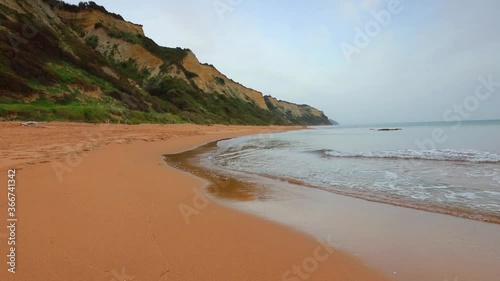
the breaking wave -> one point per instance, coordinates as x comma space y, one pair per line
435, 154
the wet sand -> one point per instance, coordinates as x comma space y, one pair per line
407, 244
98, 203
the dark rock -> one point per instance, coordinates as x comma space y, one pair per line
389, 129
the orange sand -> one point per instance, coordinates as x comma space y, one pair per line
97, 202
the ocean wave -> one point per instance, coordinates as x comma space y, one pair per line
241, 145
435, 154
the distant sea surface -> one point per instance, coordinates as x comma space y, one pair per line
442, 167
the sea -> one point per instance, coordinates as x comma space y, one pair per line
417, 201
450, 168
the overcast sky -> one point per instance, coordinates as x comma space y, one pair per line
415, 65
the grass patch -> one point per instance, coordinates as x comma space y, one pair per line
46, 110
68, 74
130, 69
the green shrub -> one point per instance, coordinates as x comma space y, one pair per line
219, 80
126, 36
190, 74
92, 41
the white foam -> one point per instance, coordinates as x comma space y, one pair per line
452, 177
435, 154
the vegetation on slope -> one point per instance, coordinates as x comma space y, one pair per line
91, 5
193, 105
54, 72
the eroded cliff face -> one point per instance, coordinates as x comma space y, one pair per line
210, 80
87, 20
298, 114
207, 77
112, 47
140, 74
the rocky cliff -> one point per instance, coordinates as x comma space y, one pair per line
83, 63
298, 114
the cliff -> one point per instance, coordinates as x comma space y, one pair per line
298, 114
66, 62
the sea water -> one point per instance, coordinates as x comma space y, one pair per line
444, 167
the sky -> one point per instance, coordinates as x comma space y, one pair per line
360, 61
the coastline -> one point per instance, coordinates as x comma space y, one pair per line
404, 203
402, 242
108, 207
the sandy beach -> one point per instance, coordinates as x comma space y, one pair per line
97, 202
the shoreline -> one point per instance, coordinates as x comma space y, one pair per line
400, 202
114, 212
461, 248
